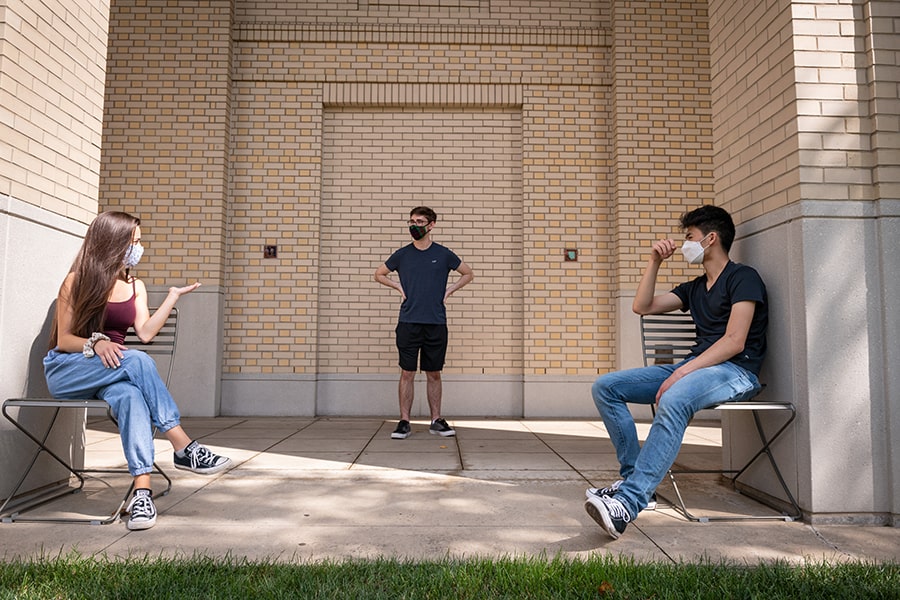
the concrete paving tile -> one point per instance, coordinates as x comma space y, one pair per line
507, 446
746, 542
329, 434
248, 433
482, 427
573, 427
305, 444
223, 444
871, 544
30, 540
373, 501
215, 423
301, 460
594, 461
706, 434
706, 496
534, 476
415, 443
311, 502
699, 460
335, 424
587, 446
541, 461
103, 459
301, 544
274, 422
446, 460
476, 435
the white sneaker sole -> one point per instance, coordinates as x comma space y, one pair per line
207, 471
442, 433
601, 517
400, 436
140, 525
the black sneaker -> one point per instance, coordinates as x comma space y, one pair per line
612, 489
142, 510
200, 459
403, 430
609, 513
440, 427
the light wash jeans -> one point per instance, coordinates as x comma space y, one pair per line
135, 392
643, 468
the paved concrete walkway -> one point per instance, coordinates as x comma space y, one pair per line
309, 489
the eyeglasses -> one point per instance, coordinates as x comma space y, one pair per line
419, 222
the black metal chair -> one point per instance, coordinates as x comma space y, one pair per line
161, 348
667, 339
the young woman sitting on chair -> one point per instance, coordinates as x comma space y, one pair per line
98, 302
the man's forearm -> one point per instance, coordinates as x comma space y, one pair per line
643, 298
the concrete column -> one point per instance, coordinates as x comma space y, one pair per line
807, 163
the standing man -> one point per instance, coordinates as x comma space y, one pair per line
424, 267
730, 310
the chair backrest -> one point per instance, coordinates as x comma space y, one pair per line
667, 338
162, 348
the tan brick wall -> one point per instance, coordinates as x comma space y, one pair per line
662, 129
506, 13
271, 304
754, 100
167, 133
793, 123
523, 100
52, 80
835, 116
569, 312
377, 165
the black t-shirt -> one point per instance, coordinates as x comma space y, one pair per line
423, 275
712, 309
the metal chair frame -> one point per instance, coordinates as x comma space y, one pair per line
163, 345
668, 338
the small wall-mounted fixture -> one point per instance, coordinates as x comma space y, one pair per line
571, 254
270, 251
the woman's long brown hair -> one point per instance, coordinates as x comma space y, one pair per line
98, 264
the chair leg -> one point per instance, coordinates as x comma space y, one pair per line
16, 515
766, 449
62, 489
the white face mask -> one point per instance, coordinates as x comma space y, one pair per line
693, 251
133, 255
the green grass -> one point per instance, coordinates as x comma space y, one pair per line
199, 577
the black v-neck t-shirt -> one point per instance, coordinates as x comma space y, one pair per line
711, 310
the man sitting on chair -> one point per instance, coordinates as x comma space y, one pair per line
730, 311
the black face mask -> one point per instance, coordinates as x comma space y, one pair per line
418, 231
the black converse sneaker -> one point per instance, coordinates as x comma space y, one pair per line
613, 488
609, 513
142, 510
440, 427
200, 459
403, 430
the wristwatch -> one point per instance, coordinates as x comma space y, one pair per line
89, 345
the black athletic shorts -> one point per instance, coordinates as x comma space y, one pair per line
430, 340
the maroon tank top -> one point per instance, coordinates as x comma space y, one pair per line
119, 317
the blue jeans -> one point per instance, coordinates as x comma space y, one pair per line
643, 468
135, 392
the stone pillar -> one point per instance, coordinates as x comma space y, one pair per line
51, 102
803, 106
